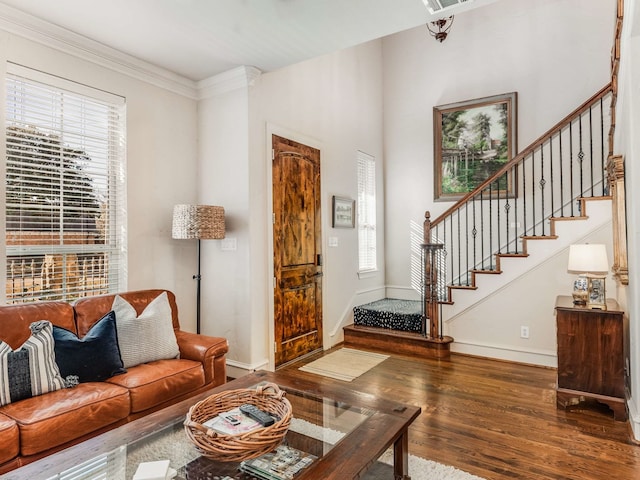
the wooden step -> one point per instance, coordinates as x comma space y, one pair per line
395, 341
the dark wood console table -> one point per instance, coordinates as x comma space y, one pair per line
591, 355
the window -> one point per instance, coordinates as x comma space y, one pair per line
366, 213
64, 176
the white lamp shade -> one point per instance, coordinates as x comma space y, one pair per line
205, 222
588, 258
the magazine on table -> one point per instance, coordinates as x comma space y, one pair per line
282, 464
222, 425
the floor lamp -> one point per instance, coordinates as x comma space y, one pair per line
202, 222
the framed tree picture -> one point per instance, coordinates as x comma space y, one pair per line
473, 140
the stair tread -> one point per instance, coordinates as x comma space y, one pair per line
577, 217
539, 237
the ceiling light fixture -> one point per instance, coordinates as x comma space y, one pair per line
443, 26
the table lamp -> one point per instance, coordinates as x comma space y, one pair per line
590, 262
202, 222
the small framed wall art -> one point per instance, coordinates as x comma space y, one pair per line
344, 212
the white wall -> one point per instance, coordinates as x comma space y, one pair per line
627, 143
161, 160
554, 53
223, 179
334, 103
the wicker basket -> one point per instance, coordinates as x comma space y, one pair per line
235, 448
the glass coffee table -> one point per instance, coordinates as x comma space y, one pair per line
342, 430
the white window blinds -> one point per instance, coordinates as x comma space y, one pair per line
366, 212
65, 185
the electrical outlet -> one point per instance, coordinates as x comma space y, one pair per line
524, 332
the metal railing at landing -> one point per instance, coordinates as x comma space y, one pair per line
546, 180
56, 277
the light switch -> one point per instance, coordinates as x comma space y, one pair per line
333, 241
229, 244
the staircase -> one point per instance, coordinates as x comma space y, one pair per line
543, 195
550, 182
563, 231
547, 197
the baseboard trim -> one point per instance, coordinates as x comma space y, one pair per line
401, 292
539, 358
634, 420
237, 369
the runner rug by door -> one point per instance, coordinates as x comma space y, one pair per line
344, 364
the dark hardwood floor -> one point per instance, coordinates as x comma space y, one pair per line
499, 420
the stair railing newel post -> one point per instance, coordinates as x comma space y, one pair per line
430, 283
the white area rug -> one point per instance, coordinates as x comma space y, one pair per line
344, 364
419, 468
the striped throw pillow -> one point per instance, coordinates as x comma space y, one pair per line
31, 370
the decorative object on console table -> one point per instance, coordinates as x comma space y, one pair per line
202, 222
590, 262
591, 355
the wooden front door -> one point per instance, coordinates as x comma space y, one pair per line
297, 250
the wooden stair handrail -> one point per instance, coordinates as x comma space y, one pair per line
524, 153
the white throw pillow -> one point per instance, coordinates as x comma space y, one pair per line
148, 337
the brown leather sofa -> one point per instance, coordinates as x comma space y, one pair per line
34, 427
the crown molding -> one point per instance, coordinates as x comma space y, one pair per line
235, 79
50, 35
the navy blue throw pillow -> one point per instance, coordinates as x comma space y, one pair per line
93, 358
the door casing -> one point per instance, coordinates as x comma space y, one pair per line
273, 129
